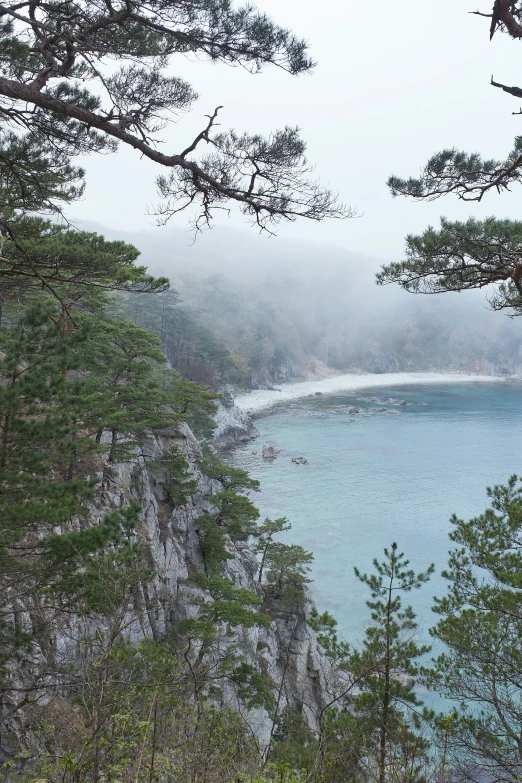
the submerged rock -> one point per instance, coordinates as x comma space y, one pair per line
299, 460
395, 401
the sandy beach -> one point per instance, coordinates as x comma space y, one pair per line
256, 402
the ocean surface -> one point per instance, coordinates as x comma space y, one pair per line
379, 476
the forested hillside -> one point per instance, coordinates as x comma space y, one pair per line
292, 311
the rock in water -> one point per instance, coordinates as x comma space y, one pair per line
269, 451
299, 460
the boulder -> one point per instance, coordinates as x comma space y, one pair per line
269, 451
299, 460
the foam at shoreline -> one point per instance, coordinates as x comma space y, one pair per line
255, 402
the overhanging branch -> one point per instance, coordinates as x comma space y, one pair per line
289, 206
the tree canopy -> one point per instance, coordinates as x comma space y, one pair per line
480, 624
59, 84
461, 256
468, 175
476, 253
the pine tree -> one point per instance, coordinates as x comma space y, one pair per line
177, 479
267, 531
480, 626
71, 265
232, 516
468, 176
285, 565
121, 360
462, 256
387, 661
475, 253
52, 54
37, 496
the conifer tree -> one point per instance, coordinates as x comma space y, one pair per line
52, 54
469, 176
267, 531
38, 497
72, 265
285, 565
473, 253
462, 256
387, 661
480, 626
233, 517
179, 482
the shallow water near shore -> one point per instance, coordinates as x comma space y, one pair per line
394, 471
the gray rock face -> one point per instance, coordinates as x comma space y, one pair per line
275, 372
287, 650
233, 426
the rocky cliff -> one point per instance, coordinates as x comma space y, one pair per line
233, 425
287, 650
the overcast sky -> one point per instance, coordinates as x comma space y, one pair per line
394, 83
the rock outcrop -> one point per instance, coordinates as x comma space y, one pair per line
287, 650
269, 451
233, 425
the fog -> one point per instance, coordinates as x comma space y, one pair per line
393, 84
291, 308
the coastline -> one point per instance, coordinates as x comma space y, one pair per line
260, 401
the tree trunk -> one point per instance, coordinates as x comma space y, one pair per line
386, 696
114, 441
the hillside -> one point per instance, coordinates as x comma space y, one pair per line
287, 310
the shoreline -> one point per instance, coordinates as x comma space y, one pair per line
260, 401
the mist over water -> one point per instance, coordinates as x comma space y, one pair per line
375, 477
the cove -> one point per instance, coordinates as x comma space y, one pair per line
394, 471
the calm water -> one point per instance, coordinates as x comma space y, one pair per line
384, 477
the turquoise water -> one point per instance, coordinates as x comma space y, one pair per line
384, 477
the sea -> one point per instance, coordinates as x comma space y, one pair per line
388, 464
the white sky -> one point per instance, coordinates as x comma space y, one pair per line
395, 82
